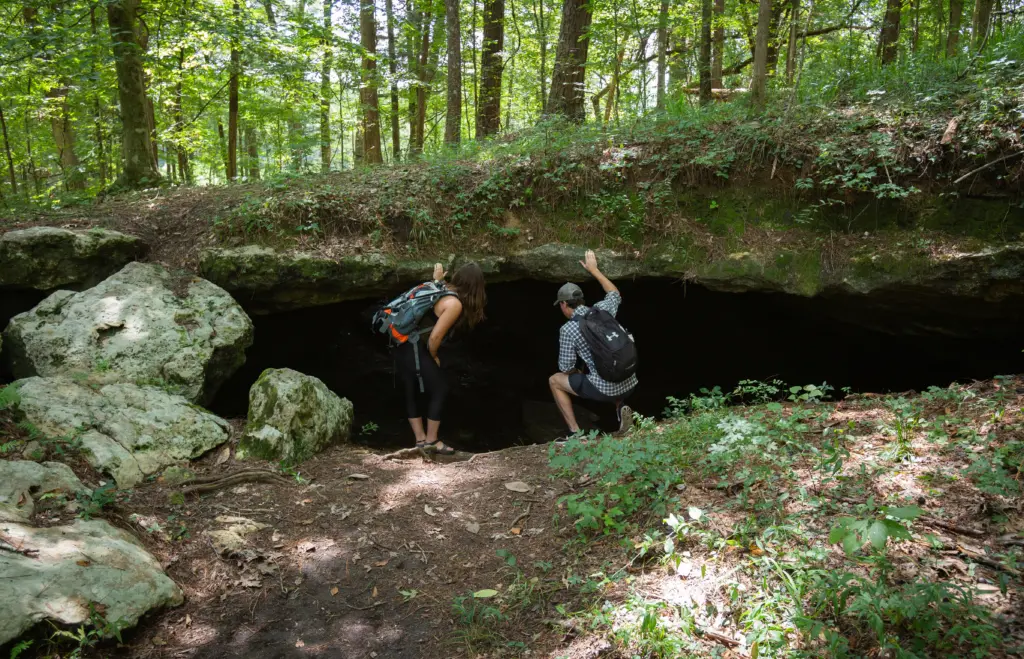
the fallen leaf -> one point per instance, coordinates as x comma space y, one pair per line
755, 550
430, 511
358, 477
485, 593
380, 564
188, 620
473, 528
518, 486
223, 456
515, 530
334, 591
300, 644
158, 641
374, 592
305, 501
83, 563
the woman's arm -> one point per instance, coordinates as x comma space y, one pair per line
449, 308
439, 272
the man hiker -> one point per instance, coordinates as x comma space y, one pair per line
588, 332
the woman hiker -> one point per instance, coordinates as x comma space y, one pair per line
461, 306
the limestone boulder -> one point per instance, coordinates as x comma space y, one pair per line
143, 325
21, 481
292, 416
125, 430
44, 258
70, 569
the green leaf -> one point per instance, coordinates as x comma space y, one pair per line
695, 513
837, 534
878, 534
904, 512
851, 544
485, 593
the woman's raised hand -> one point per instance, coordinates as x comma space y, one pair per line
439, 272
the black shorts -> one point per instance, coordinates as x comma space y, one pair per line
584, 388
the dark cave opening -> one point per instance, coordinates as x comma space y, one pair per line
688, 337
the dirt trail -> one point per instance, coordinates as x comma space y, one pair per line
326, 577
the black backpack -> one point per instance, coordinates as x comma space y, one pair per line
610, 343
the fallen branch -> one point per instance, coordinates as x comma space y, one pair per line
720, 637
987, 562
523, 516
199, 480
406, 453
7, 546
962, 530
235, 479
986, 166
363, 608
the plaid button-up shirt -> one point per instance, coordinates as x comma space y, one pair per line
571, 344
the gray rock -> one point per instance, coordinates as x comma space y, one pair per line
292, 416
87, 562
44, 258
22, 480
124, 430
143, 325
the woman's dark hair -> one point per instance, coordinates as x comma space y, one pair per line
468, 281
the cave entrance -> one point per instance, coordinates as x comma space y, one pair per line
688, 337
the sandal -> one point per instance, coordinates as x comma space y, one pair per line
444, 449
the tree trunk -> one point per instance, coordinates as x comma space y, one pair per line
222, 143
488, 111
759, 83
704, 63
252, 146
542, 40
982, 21
794, 32
136, 144
396, 133
268, 7
236, 66
718, 46
568, 79
368, 87
453, 113
325, 90
956, 15
7, 149
184, 170
97, 107
414, 37
429, 55
341, 120
888, 43
662, 54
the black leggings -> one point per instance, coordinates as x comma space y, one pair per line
434, 383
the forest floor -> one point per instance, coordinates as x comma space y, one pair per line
565, 551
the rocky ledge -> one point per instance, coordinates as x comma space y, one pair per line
265, 280
45, 258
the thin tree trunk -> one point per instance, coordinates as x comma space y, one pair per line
7, 149
222, 143
915, 7
718, 46
453, 113
613, 86
956, 14
136, 142
794, 32
542, 40
184, 170
97, 112
568, 79
429, 56
368, 84
396, 133
488, 111
236, 66
759, 83
704, 64
662, 54
325, 90
982, 21
268, 6
888, 43
341, 119
252, 146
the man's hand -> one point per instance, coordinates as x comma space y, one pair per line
590, 262
439, 272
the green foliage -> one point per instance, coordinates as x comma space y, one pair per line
917, 619
19, 648
906, 421
97, 501
877, 528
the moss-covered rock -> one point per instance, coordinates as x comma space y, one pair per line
45, 258
292, 417
124, 430
143, 324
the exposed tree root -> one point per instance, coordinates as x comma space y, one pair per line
211, 484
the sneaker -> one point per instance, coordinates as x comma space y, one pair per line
625, 421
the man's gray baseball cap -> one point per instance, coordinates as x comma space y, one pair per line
569, 292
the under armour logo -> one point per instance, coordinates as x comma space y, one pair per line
613, 335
